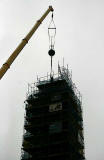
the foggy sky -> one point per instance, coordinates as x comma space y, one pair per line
79, 39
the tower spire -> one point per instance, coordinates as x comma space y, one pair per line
51, 34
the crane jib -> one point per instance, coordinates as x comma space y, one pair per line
16, 52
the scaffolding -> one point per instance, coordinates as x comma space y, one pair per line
53, 120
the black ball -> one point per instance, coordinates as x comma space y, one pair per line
51, 52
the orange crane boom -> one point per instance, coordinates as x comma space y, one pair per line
16, 52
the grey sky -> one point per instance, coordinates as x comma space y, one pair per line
79, 39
